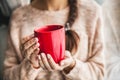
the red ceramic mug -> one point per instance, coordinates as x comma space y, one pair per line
52, 41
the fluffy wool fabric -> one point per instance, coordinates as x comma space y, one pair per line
89, 56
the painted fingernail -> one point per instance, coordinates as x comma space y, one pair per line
37, 44
48, 55
43, 54
62, 64
36, 39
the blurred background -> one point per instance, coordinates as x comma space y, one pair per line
100, 1
6, 8
111, 34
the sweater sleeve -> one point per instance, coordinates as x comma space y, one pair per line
15, 66
93, 67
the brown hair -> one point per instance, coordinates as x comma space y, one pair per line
72, 38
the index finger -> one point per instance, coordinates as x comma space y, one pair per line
52, 62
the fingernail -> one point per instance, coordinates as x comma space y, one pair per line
37, 44
62, 64
42, 54
48, 55
36, 39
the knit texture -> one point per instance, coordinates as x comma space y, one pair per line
89, 56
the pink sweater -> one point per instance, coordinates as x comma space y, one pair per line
89, 56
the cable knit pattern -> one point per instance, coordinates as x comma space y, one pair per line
89, 56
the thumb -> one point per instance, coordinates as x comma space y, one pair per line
64, 63
67, 54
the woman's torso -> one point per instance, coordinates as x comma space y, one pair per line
30, 18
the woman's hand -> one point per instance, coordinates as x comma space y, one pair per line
30, 49
47, 62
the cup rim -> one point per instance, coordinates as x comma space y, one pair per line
37, 29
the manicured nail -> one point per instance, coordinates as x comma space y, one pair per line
37, 44
62, 64
48, 55
43, 54
36, 39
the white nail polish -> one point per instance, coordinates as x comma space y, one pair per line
36, 39
42, 54
62, 64
48, 55
38, 44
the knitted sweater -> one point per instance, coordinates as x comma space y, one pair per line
89, 56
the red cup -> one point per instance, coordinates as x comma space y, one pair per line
52, 41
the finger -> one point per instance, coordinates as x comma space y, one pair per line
40, 62
45, 62
34, 58
27, 38
67, 54
65, 62
32, 49
30, 43
34, 55
52, 62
